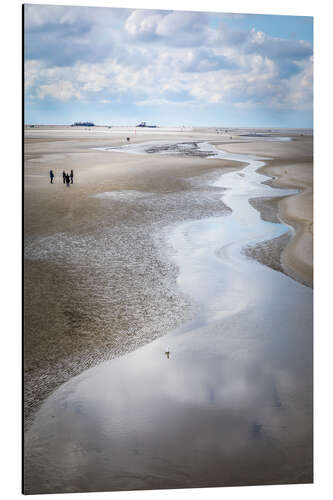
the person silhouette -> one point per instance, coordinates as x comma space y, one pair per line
51, 176
71, 176
67, 180
63, 176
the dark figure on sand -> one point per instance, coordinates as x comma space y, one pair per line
71, 176
63, 176
51, 176
67, 180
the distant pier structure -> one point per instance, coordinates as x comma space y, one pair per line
144, 124
83, 124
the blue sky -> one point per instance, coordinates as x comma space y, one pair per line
122, 66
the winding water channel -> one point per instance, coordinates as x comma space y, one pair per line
231, 401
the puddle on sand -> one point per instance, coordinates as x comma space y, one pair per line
224, 400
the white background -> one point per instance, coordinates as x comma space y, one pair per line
10, 210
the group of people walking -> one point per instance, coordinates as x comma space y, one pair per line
66, 178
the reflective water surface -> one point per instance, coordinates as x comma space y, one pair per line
223, 400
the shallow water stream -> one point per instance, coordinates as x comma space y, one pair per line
224, 400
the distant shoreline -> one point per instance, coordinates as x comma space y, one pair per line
162, 127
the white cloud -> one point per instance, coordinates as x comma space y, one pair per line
141, 23
92, 77
179, 28
299, 92
177, 71
165, 102
62, 90
174, 23
41, 16
155, 57
32, 69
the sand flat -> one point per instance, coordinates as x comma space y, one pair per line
144, 252
291, 165
89, 294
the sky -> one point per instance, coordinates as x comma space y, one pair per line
169, 68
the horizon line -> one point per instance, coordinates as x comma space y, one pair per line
166, 126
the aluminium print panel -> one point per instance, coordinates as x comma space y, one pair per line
168, 234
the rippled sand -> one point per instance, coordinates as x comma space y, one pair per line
97, 279
231, 403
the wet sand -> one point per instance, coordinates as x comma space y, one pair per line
68, 328
97, 280
291, 165
232, 404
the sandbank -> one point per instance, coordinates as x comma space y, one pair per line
290, 164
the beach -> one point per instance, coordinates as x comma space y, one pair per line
290, 165
159, 242
90, 294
